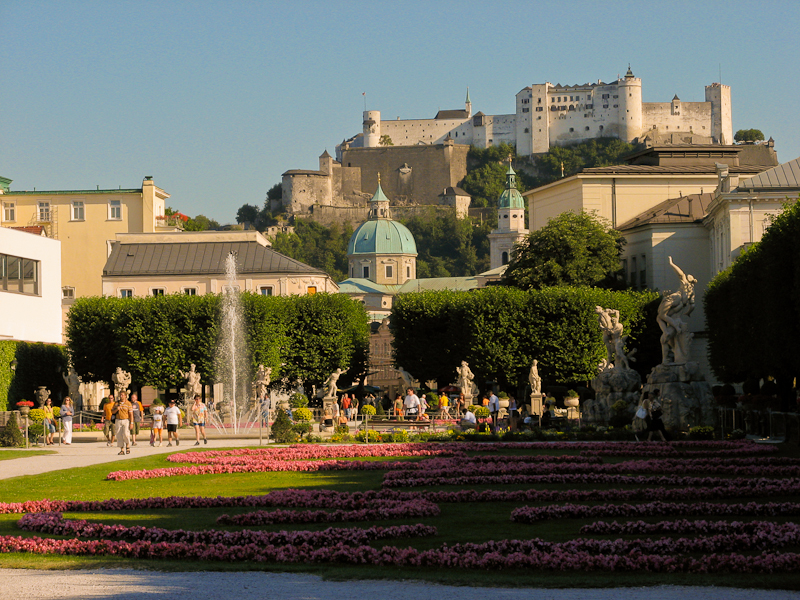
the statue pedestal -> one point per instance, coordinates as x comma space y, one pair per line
536, 405
686, 397
611, 385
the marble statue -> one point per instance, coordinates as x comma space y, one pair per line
331, 384
121, 380
465, 378
675, 335
262, 380
193, 385
534, 379
608, 320
408, 380
74, 385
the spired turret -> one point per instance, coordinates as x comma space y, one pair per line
510, 223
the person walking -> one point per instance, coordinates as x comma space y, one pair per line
174, 420
158, 423
49, 422
411, 404
346, 405
641, 417
67, 412
494, 409
656, 424
108, 420
444, 406
136, 416
199, 413
122, 411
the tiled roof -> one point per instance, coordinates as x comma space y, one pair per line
785, 176
34, 229
452, 114
686, 209
656, 169
201, 258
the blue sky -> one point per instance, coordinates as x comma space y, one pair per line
216, 99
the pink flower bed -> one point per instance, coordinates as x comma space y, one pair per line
531, 514
766, 529
55, 524
387, 509
506, 554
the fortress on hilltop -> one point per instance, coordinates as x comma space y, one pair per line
421, 158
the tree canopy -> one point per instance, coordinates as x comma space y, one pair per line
748, 135
572, 249
316, 245
598, 152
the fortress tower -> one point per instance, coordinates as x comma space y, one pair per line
630, 106
372, 128
721, 117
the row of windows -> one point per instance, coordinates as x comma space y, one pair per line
77, 211
19, 275
388, 270
264, 290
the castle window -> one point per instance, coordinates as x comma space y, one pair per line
601, 128
365, 272
526, 130
587, 128
526, 110
571, 129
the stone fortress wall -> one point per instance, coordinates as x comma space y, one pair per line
429, 155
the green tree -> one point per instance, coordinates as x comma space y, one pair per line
598, 152
247, 213
201, 223
748, 135
386, 140
572, 249
316, 245
486, 173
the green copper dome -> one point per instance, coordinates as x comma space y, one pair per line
511, 198
382, 236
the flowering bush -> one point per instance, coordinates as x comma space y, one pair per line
27, 403
302, 413
368, 410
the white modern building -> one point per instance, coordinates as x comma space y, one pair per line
30, 286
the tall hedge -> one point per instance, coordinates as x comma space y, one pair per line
154, 338
500, 330
37, 364
753, 308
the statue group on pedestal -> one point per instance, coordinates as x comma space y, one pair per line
675, 335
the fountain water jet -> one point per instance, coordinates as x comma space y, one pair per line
232, 361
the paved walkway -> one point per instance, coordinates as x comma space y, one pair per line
145, 585
90, 449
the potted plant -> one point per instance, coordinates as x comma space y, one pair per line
24, 407
572, 399
368, 411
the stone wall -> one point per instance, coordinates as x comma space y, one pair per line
409, 174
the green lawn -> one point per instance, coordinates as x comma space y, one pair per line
9, 453
457, 523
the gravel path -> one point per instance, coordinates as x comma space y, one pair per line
146, 585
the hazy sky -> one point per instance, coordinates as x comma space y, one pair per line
216, 99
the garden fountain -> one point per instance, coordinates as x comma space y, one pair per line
232, 360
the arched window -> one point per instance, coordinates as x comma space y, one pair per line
504, 258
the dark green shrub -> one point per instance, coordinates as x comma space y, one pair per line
282, 430
11, 436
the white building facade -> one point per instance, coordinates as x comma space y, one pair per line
30, 287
